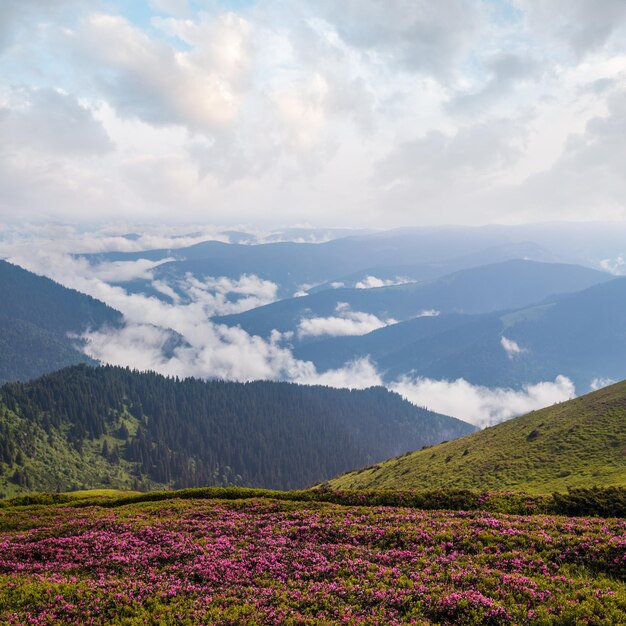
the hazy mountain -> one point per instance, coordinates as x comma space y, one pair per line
36, 317
579, 443
108, 426
416, 254
496, 287
580, 335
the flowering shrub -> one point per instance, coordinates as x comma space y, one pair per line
266, 561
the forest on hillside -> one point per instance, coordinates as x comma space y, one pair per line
145, 430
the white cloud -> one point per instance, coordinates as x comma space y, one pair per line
225, 296
124, 271
346, 322
281, 112
511, 347
428, 313
50, 121
420, 35
358, 374
152, 81
479, 405
614, 266
372, 282
599, 383
582, 25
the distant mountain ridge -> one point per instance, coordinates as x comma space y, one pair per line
85, 427
36, 316
485, 289
578, 443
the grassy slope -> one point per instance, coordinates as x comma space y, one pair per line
81, 470
580, 443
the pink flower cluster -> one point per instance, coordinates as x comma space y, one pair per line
269, 562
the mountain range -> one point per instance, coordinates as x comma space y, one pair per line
496, 287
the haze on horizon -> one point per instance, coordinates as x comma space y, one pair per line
372, 114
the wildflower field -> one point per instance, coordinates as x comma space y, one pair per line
270, 561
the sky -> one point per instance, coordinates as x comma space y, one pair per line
361, 113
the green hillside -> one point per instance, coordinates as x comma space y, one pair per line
39, 321
579, 443
110, 427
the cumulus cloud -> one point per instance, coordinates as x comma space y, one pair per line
444, 173
583, 25
599, 383
423, 36
505, 71
482, 406
587, 177
372, 282
50, 121
511, 347
307, 111
150, 80
346, 322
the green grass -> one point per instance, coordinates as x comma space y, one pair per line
599, 502
100, 493
580, 443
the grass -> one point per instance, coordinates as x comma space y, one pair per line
606, 502
576, 444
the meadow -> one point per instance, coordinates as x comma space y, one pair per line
265, 560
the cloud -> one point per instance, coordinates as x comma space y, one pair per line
422, 36
511, 347
428, 313
587, 177
150, 80
358, 374
583, 25
40, 246
482, 406
372, 282
614, 266
281, 112
27, 16
346, 322
50, 121
599, 383
226, 296
446, 173
125, 271
505, 71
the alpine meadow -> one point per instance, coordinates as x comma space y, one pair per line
313, 313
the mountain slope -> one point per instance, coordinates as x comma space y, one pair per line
578, 443
580, 335
36, 316
88, 427
507, 285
